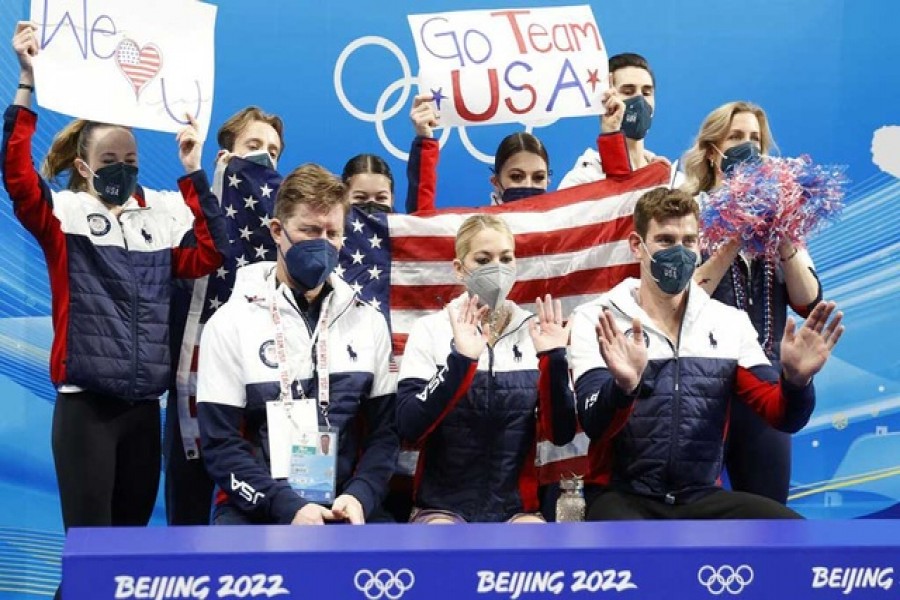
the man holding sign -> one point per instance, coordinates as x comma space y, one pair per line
112, 249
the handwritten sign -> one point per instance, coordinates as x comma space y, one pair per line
128, 62
511, 65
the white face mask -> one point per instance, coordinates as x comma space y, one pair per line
491, 283
262, 157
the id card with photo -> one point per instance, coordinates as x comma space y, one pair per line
314, 464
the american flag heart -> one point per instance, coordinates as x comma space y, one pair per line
139, 65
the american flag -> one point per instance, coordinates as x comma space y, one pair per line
247, 196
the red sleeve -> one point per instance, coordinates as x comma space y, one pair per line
764, 397
614, 154
421, 174
783, 405
31, 197
191, 260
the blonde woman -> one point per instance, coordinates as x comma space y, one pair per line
477, 381
759, 457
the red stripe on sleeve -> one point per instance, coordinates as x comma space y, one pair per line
764, 397
460, 393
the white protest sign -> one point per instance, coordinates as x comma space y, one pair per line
530, 65
129, 62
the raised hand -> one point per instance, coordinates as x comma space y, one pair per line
547, 331
25, 43
805, 350
465, 321
625, 358
611, 119
189, 146
424, 116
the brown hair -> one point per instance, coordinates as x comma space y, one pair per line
660, 204
70, 143
367, 163
475, 224
630, 59
313, 185
515, 143
701, 175
230, 129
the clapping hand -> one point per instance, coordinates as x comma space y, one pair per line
465, 322
805, 350
547, 331
625, 358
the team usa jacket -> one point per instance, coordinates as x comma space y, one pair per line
110, 278
238, 373
667, 440
475, 422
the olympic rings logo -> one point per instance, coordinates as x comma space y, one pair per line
725, 579
384, 583
405, 85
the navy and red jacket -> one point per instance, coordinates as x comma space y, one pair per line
476, 421
110, 278
666, 440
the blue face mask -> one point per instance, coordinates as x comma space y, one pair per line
521, 193
115, 183
638, 118
672, 268
310, 262
740, 154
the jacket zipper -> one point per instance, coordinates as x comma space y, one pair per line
676, 409
134, 311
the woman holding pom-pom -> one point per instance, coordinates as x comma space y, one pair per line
760, 280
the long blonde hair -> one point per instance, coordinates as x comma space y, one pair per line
70, 143
474, 225
700, 172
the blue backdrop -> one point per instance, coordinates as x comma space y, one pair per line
825, 70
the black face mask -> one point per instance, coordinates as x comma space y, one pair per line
116, 183
738, 155
370, 207
521, 193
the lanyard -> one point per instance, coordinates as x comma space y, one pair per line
320, 340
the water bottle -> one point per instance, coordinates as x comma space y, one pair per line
570, 504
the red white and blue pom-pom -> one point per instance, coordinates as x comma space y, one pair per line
762, 202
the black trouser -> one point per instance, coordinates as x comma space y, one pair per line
613, 505
107, 456
757, 456
189, 489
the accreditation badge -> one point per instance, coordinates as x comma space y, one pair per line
283, 419
313, 464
